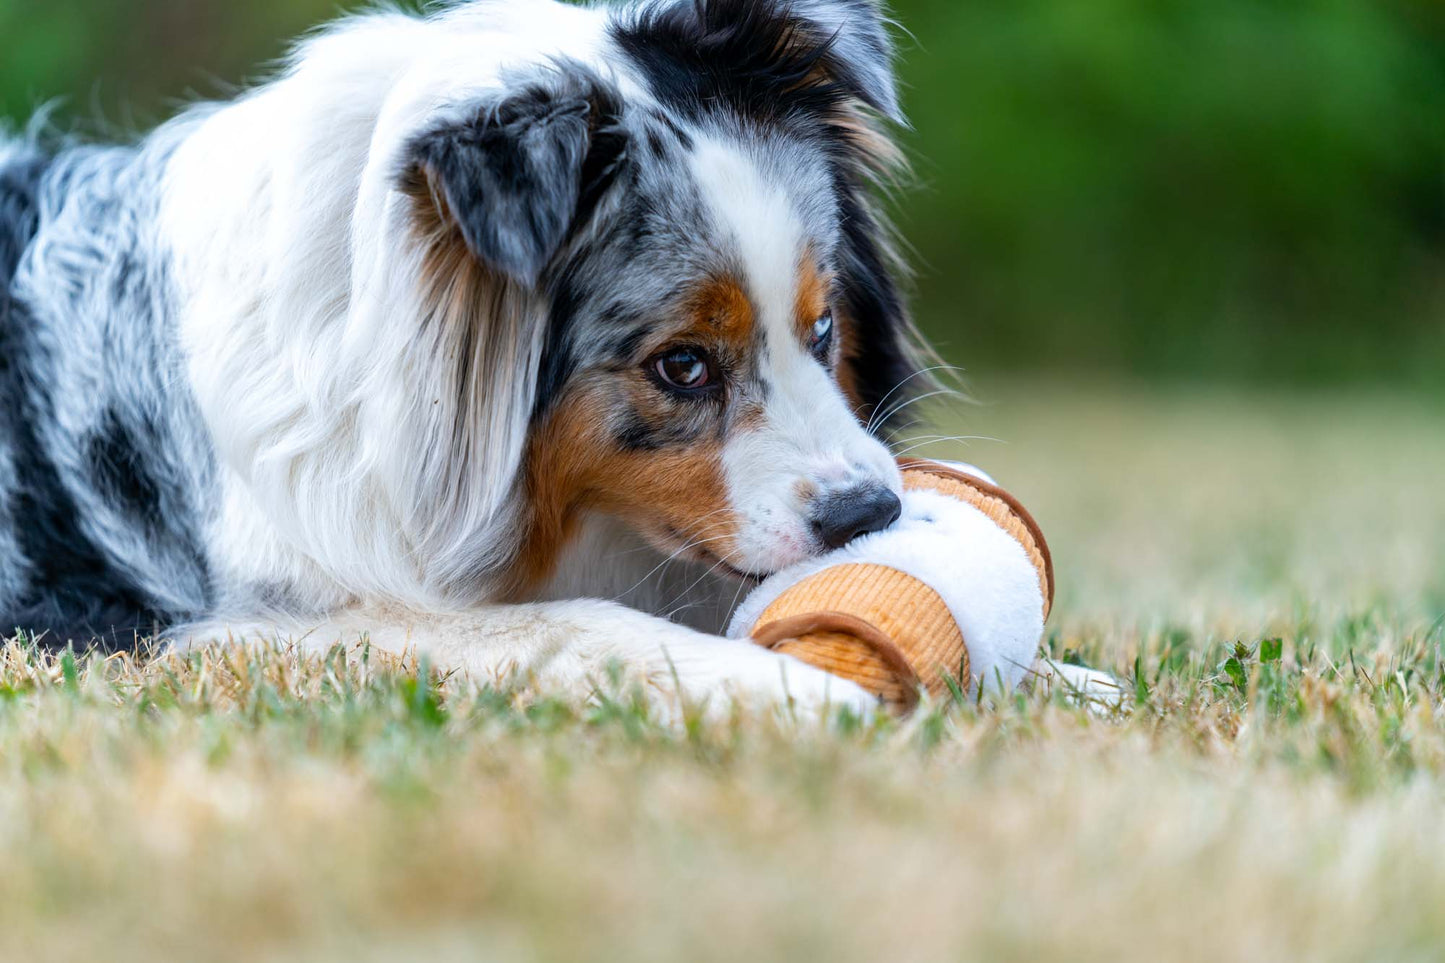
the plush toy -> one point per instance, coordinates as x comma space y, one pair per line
959, 589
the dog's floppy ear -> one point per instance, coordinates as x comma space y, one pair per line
860, 50
516, 173
767, 58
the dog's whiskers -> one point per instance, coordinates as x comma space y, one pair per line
924, 441
686, 547
875, 421
724, 559
910, 402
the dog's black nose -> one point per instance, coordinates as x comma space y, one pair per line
843, 516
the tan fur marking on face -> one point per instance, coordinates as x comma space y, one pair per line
573, 466
812, 298
846, 373
720, 310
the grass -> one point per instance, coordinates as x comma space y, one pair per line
1265, 571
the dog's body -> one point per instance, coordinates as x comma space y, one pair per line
514, 334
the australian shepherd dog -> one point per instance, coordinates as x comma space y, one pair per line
517, 334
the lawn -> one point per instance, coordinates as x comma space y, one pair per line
1266, 571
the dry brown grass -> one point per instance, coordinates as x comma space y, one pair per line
258, 805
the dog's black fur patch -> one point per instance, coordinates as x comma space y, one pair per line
73, 591
767, 60
105, 463
881, 359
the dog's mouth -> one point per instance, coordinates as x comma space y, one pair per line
721, 564
675, 542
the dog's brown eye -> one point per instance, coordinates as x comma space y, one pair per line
687, 369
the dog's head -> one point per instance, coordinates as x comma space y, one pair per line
688, 217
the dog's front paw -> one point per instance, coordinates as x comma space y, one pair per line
727, 671
1100, 691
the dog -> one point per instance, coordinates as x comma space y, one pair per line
521, 335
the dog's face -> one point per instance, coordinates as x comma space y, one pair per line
720, 320
698, 393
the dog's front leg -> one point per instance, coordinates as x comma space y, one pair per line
572, 647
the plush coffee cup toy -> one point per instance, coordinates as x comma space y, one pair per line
959, 588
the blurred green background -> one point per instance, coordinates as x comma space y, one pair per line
1204, 190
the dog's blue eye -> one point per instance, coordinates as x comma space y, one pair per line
686, 368
822, 333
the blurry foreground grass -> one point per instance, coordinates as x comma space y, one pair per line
1257, 797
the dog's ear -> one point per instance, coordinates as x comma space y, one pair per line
859, 48
770, 58
517, 173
